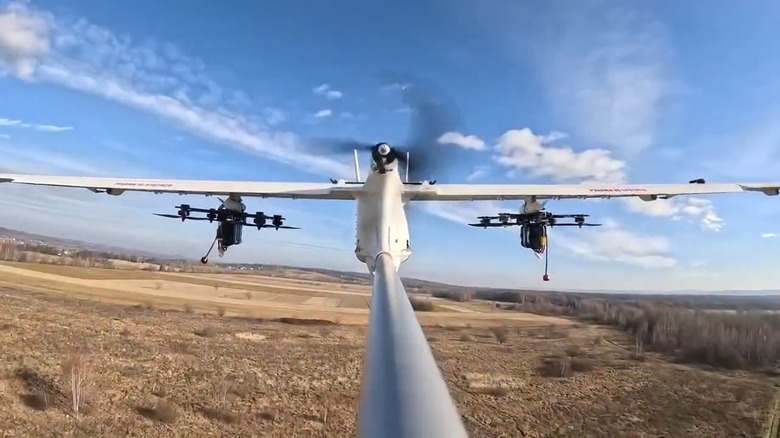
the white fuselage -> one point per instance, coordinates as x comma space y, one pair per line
381, 220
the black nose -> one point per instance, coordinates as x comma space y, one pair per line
383, 149
382, 153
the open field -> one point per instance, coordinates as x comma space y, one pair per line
239, 295
162, 367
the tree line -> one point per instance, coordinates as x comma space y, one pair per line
739, 339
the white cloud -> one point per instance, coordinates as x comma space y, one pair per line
692, 208
524, 151
614, 244
326, 91
461, 212
478, 173
9, 122
465, 141
323, 113
606, 72
23, 37
38, 127
155, 78
274, 116
5, 136
770, 235
395, 86
30, 159
53, 128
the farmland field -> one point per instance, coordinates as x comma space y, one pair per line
172, 354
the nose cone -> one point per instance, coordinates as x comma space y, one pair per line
383, 149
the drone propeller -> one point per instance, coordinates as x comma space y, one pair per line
176, 216
574, 225
432, 116
283, 227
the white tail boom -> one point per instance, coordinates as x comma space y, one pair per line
403, 392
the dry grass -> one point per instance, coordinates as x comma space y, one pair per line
152, 375
195, 293
178, 364
421, 305
162, 411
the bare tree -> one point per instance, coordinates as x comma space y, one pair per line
639, 337
77, 376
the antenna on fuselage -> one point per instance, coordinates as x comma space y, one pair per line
357, 166
407, 166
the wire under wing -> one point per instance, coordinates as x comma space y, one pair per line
647, 192
117, 186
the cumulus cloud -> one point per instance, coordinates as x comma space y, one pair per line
328, 92
770, 235
465, 141
323, 113
526, 152
156, 78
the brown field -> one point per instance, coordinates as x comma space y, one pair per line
172, 354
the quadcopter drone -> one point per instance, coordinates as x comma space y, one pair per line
533, 228
231, 222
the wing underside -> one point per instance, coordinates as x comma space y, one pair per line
422, 192
117, 186
647, 192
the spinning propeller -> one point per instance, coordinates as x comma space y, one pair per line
423, 157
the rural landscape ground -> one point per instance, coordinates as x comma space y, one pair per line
146, 353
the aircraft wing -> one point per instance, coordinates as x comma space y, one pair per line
647, 192
117, 186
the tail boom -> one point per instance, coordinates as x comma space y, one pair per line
403, 392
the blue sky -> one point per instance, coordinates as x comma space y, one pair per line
555, 92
